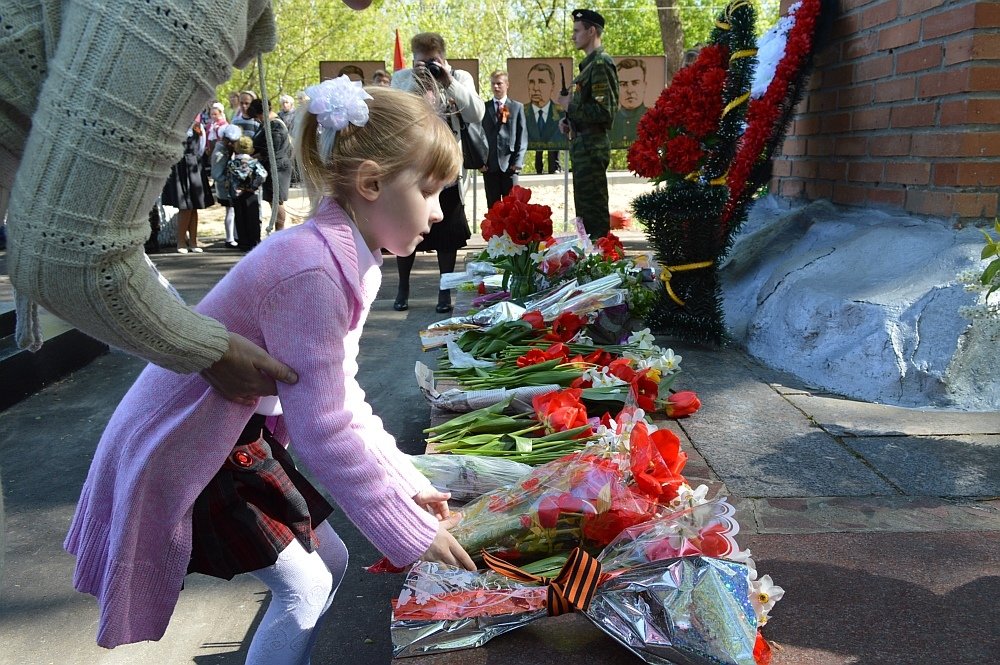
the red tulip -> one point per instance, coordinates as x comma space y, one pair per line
682, 404
534, 317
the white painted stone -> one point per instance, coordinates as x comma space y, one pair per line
862, 303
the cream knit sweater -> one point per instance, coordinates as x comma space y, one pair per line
95, 99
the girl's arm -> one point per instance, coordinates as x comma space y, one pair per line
307, 317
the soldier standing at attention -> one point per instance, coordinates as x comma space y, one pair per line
590, 110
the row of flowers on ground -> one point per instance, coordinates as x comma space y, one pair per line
577, 498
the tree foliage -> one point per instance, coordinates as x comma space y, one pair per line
491, 30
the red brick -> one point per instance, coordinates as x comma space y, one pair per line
984, 78
975, 204
903, 34
936, 84
865, 171
846, 26
819, 147
819, 189
923, 57
836, 77
918, 173
827, 56
835, 123
949, 22
793, 147
870, 118
878, 14
936, 145
851, 146
911, 7
849, 194
791, 188
832, 170
887, 197
848, 5
823, 101
806, 125
781, 167
858, 47
925, 202
987, 15
958, 49
804, 168
913, 115
889, 146
895, 90
986, 46
876, 67
857, 95
970, 111
967, 174
980, 144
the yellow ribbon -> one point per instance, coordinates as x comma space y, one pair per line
668, 272
736, 102
745, 53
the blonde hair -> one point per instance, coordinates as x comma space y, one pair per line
403, 133
243, 145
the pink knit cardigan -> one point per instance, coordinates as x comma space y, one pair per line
303, 295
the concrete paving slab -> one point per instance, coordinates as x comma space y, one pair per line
865, 514
843, 417
960, 466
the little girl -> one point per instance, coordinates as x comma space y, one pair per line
168, 493
244, 176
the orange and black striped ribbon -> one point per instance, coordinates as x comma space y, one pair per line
572, 589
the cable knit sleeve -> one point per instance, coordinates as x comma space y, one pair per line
331, 429
121, 88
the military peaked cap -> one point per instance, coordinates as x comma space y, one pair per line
588, 15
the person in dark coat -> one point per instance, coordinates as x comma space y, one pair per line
279, 174
188, 189
507, 135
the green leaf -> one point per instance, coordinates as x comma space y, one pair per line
989, 250
990, 273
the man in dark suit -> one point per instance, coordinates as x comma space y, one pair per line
507, 134
543, 115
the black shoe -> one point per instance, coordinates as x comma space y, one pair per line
400, 306
443, 307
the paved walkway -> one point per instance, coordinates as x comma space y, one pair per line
881, 523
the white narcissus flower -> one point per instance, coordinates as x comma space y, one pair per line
538, 257
689, 498
502, 245
642, 338
583, 339
764, 593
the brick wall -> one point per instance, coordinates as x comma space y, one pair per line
903, 111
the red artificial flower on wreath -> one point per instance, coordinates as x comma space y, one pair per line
656, 461
611, 247
691, 107
565, 327
561, 410
534, 317
682, 404
524, 222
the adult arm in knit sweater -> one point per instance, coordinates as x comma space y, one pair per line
104, 93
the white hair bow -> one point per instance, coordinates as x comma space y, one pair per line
337, 103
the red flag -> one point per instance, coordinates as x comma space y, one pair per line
397, 56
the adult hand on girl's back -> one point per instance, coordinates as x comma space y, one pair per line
445, 549
247, 372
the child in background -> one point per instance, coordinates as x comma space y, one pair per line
221, 154
245, 175
168, 493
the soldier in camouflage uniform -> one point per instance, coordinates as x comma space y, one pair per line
590, 111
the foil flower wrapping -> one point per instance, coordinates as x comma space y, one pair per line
687, 611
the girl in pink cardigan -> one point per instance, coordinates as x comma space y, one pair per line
168, 493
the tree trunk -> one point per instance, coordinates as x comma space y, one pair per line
671, 34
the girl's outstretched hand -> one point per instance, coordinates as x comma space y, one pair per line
435, 502
247, 372
445, 549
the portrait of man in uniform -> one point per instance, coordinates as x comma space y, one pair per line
631, 101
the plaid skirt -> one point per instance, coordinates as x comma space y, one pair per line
253, 508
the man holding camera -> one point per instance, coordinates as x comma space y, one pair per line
590, 110
453, 93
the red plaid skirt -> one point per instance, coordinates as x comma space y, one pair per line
253, 508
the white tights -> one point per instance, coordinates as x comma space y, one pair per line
302, 587
229, 224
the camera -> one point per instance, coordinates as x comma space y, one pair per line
436, 70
